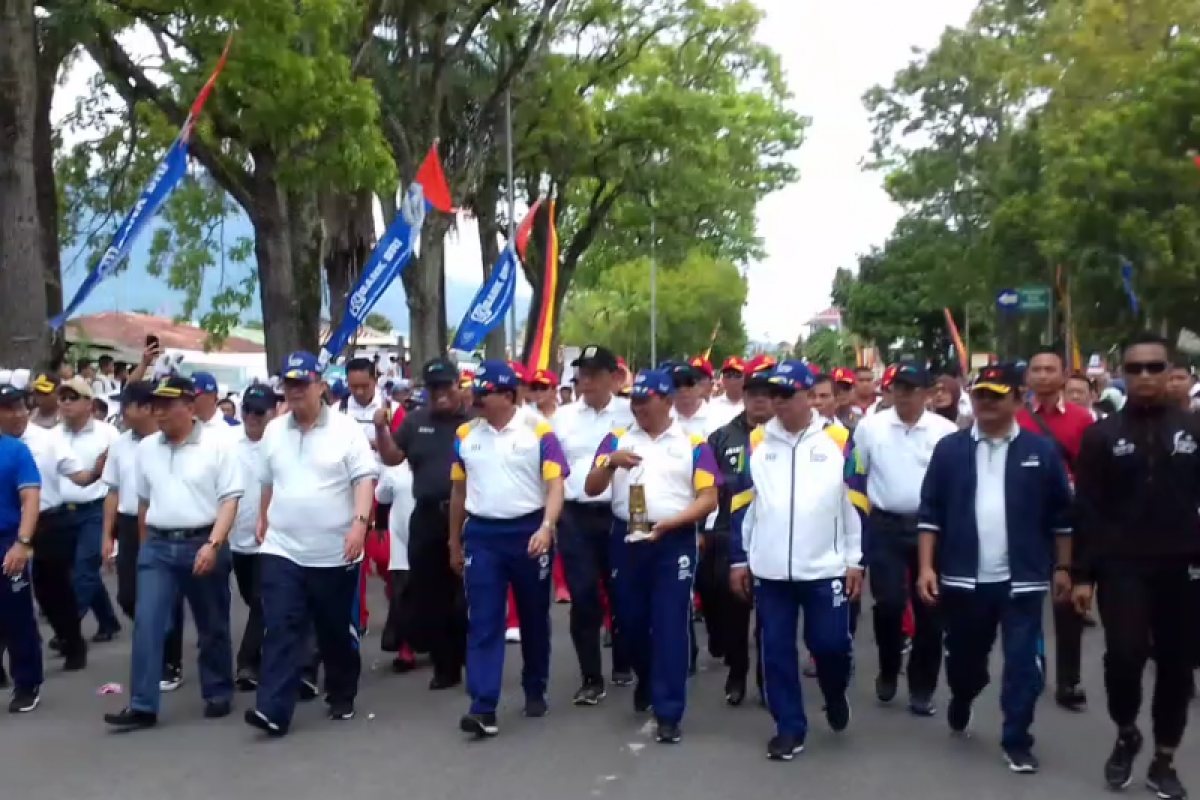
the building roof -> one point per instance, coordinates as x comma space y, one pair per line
366, 337
830, 314
129, 330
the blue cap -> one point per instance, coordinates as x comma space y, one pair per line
301, 366
494, 375
205, 383
419, 397
792, 374
651, 382
339, 389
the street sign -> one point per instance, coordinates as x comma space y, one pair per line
1008, 300
1033, 298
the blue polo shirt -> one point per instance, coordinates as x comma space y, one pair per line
18, 471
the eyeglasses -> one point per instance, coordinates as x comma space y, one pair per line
781, 393
253, 412
1145, 367
69, 397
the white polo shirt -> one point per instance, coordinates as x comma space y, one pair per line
673, 470
312, 475
120, 472
723, 410
88, 445
243, 536
185, 484
701, 424
580, 430
505, 470
396, 487
895, 457
54, 457
365, 415
991, 521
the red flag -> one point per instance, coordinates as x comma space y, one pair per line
526, 228
206, 90
433, 182
540, 347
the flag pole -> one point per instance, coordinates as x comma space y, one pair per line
653, 292
512, 213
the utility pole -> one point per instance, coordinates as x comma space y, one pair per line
512, 213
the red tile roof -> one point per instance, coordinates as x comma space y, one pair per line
130, 330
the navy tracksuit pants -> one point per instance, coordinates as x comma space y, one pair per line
826, 635
971, 620
18, 625
496, 555
653, 609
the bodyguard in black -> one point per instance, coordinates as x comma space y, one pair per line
1137, 543
426, 441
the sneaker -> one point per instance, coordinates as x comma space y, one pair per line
784, 748
668, 733
622, 678
886, 687
1162, 779
958, 716
1072, 698
920, 706
309, 690
837, 713
172, 679
1118, 770
536, 707
129, 719
259, 720
590, 694
341, 710
246, 680
1021, 760
24, 700
440, 682
217, 709
479, 725
513, 636
735, 692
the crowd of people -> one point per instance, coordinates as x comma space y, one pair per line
767, 496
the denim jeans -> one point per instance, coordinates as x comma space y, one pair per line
165, 572
90, 593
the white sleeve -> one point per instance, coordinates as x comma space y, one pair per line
384, 489
360, 461
112, 469
68, 462
265, 476
230, 471
143, 481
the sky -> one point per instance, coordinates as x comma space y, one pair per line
831, 53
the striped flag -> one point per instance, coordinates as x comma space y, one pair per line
712, 340
540, 349
963, 363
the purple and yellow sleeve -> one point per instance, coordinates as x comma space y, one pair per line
458, 468
856, 484
607, 447
742, 498
554, 460
705, 473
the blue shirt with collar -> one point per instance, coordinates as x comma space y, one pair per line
18, 471
1037, 502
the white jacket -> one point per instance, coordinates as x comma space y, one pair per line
800, 524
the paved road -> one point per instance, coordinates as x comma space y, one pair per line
405, 743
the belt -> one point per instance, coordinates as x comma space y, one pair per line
440, 505
180, 534
906, 519
67, 508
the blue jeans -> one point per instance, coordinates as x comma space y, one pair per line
90, 594
165, 572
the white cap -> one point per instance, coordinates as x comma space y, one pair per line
6, 376
20, 378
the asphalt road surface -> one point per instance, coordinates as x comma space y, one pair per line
405, 743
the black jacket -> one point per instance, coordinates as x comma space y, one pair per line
1137, 491
731, 446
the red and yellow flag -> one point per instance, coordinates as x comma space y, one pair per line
540, 349
960, 349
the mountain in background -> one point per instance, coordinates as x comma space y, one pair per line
134, 289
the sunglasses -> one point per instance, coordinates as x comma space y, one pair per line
253, 412
781, 393
684, 383
1145, 367
731, 373
68, 397
537, 387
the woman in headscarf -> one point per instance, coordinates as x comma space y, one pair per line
947, 396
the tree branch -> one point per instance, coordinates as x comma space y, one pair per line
520, 60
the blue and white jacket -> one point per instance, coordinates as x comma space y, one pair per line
1037, 498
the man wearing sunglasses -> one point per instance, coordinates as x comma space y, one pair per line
539, 391
726, 407
691, 407
1137, 546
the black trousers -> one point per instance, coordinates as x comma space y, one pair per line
439, 608
1149, 610
583, 542
399, 622
1068, 644
246, 574
892, 570
53, 561
129, 544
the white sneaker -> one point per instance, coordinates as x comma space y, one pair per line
513, 636
170, 681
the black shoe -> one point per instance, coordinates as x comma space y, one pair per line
217, 709
641, 699
784, 748
1072, 698
246, 680
536, 707
1021, 760
341, 710
24, 700
128, 719
480, 726
172, 679
403, 666
958, 716
886, 687
668, 733
622, 678
735, 692
920, 706
1118, 770
309, 690
257, 719
106, 636
837, 713
439, 682
75, 662
54, 644
1162, 779
590, 694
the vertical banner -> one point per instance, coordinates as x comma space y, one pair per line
540, 350
959, 348
164, 180
428, 190
1127, 282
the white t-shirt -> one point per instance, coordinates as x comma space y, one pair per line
722, 410
54, 457
580, 430
185, 485
395, 487
120, 472
895, 456
242, 538
88, 444
991, 518
365, 415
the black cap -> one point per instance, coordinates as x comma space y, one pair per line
439, 372
596, 356
911, 374
259, 397
139, 393
999, 379
681, 371
175, 387
11, 395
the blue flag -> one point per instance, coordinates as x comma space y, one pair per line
491, 303
158, 189
1127, 279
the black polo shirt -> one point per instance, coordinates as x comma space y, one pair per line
427, 440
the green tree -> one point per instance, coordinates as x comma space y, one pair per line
829, 348
379, 322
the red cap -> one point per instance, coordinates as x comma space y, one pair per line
843, 375
621, 363
544, 377
889, 375
703, 365
733, 364
519, 370
466, 378
760, 363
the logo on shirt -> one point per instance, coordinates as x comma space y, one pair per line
1032, 461
426, 429
1184, 444
1123, 447
816, 457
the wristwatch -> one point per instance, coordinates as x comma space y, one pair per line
25, 542
214, 545
362, 519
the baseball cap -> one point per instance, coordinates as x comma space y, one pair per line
10, 395
300, 366
702, 366
910, 374
139, 393
792, 374
79, 386
45, 383
205, 383
596, 356
174, 387
439, 372
543, 377
649, 382
733, 364
519, 371
20, 378
843, 375
998, 378
339, 389
679, 372
493, 376
259, 398
889, 375
758, 371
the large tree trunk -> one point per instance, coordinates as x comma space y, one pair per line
24, 336
307, 236
349, 240
47, 186
423, 288
494, 346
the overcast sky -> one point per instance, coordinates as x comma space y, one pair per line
832, 52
